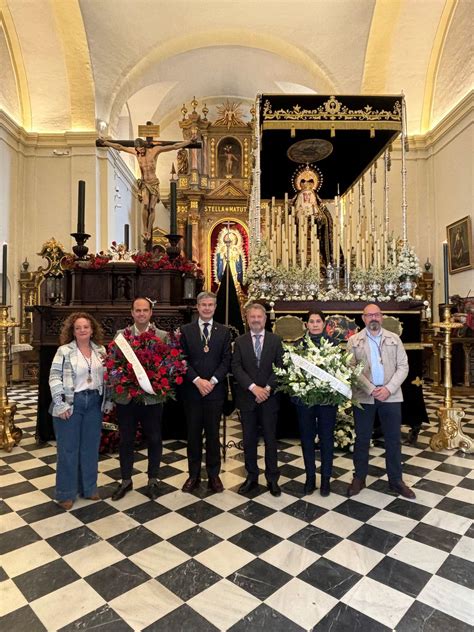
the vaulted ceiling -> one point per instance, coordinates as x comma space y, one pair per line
67, 64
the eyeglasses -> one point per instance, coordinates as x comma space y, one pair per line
373, 315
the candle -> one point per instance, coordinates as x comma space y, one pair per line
81, 205
4, 274
189, 240
446, 272
126, 236
173, 207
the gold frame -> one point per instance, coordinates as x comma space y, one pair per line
451, 230
219, 220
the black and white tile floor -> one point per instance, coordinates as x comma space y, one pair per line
224, 562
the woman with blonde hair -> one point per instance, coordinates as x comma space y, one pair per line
76, 381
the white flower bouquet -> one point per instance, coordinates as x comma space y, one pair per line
309, 389
344, 431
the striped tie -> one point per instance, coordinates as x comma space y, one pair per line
258, 348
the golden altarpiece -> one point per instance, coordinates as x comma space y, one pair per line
214, 187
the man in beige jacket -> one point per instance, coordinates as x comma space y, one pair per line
379, 391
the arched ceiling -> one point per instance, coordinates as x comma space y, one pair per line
75, 61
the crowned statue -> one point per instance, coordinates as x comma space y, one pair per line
229, 248
309, 206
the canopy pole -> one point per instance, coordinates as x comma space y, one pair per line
404, 172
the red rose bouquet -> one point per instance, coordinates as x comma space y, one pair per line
162, 361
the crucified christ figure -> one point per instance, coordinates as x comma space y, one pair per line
147, 154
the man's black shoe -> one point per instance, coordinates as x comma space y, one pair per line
247, 486
190, 485
152, 490
310, 485
274, 488
121, 490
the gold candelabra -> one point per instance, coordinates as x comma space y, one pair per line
450, 434
10, 435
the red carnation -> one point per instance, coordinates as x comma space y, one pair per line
119, 389
174, 352
179, 380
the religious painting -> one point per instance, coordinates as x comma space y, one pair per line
229, 155
460, 254
229, 244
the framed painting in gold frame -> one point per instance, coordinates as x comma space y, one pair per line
460, 254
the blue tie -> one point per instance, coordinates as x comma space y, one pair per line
258, 348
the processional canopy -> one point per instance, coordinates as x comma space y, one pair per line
344, 134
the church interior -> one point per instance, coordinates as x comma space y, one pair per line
314, 152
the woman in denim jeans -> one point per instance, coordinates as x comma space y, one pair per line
76, 381
319, 419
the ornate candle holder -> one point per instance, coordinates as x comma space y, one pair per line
80, 250
10, 435
450, 435
173, 250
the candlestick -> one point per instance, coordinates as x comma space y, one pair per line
189, 240
173, 206
81, 207
4, 274
126, 236
446, 273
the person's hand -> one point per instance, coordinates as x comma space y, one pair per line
100, 142
65, 415
381, 393
261, 394
204, 386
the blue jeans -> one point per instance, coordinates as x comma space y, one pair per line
390, 415
78, 441
319, 420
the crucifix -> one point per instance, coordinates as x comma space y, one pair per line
146, 150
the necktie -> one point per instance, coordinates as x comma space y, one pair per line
258, 348
205, 333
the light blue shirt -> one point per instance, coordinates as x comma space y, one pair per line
376, 365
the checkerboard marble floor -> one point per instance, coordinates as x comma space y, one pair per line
207, 561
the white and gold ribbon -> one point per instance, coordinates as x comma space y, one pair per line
143, 379
316, 371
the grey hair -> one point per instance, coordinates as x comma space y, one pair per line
139, 142
255, 306
202, 295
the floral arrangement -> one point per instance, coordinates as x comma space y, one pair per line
94, 262
311, 390
260, 266
344, 431
160, 261
163, 363
408, 264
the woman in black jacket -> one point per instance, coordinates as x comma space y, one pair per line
319, 419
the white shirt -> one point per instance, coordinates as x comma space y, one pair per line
201, 323
201, 327
262, 338
97, 372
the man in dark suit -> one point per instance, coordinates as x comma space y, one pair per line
206, 345
255, 353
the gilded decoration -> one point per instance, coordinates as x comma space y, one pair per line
332, 110
230, 115
53, 251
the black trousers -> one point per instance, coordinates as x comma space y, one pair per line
203, 415
268, 422
128, 415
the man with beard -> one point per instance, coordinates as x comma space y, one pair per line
379, 392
